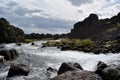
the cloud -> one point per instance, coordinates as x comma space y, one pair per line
80, 2
56, 16
33, 29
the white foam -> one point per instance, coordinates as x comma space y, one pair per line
54, 57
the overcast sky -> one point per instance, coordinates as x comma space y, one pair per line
54, 16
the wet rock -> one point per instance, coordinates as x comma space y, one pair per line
97, 51
32, 43
51, 69
18, 69
9, 54
63, 48
78, 75
111, 73
18, 44
1, 58
68, 67
100, 67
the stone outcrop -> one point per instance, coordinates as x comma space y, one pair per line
96, 29
10, 33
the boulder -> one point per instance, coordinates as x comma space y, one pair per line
111, 72
1, 58
68, 67
18, 44
18, 69
78, 75
9, 54
32, 43
100, 67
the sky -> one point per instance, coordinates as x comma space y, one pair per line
54, 16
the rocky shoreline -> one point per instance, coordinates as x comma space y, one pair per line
87, 45
73, 71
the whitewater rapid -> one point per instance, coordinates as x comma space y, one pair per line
39, 58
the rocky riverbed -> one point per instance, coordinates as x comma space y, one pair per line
44, 62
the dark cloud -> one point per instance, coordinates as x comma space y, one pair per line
80, 2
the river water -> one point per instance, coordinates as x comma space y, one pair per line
39, 59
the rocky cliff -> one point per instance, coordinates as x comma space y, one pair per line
10, 33
94, 28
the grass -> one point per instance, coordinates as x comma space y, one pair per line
72, 43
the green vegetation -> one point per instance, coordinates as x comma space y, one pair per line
71, 44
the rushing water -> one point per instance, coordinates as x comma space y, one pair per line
41, 58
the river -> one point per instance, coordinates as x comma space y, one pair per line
39, 59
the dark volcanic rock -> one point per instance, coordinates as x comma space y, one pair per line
101, 65
9, 54
78, 75
95, 29
111, 72
68, 67
32, 43
9, 33
18, 69
86, 28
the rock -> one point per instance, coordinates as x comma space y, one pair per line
63, 48
97, 51
9, 54
18, 69
100, 67
1, 58
13, 53
10, 33
111, 73
32, 43
68, 67
51, 69
78, 75
18, 44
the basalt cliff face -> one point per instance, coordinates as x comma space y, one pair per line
95, 28
9, 33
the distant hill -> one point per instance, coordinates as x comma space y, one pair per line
10, 33
94, 28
